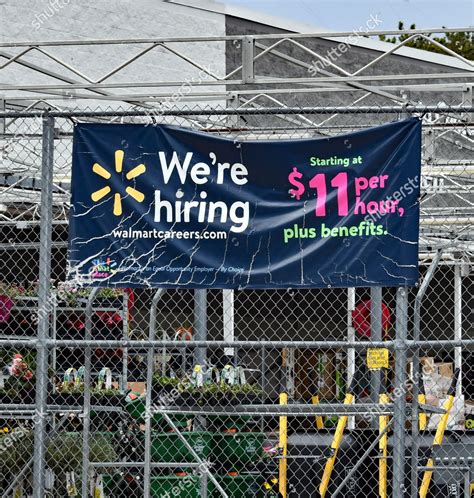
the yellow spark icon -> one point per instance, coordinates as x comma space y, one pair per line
104, 173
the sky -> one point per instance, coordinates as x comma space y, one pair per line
347, 15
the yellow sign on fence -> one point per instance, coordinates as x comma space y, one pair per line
377, 358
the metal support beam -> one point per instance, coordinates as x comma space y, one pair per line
2, 120
87, 395
351, 357
200, 324
149, 386
375, 335
228, 319
399, 402
416, 371
458, 325
249, 111
248, 54
125, 328
44, 305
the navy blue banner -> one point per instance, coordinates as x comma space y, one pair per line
162, 206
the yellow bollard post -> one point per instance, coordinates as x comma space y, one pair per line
422, 416
336, 443
319, 418
383, 449
283, 464
440, 430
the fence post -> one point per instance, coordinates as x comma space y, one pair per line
416, 372
375, 335
87, 394
149, 387
399, 394
200, 324
44, 308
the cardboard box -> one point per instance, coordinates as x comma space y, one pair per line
136, 387
427, 366
444, 369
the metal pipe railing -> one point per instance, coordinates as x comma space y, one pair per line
248, 111
87, 395
416, 371
148, 396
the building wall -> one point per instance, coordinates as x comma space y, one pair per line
40, 20
351, 60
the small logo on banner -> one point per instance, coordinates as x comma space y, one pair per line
102, 268
104, 173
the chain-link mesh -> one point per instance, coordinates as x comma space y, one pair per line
280, 399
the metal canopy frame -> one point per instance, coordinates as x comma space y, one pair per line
218, 103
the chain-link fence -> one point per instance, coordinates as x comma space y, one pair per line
247, 393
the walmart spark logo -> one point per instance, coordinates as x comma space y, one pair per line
133, 173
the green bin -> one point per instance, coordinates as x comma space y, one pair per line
136, 409
239, 486
177, 487
234, 450
168, 447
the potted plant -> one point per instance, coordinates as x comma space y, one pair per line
64, 455
106, 397
18, 448
70, 392
163, 385
16, 321
237, 394
7, 296
9, 395
247, 394
109, 298
67, 395
19, 387
191, 395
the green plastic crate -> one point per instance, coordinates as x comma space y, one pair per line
136, 409
168, 447
237, 449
